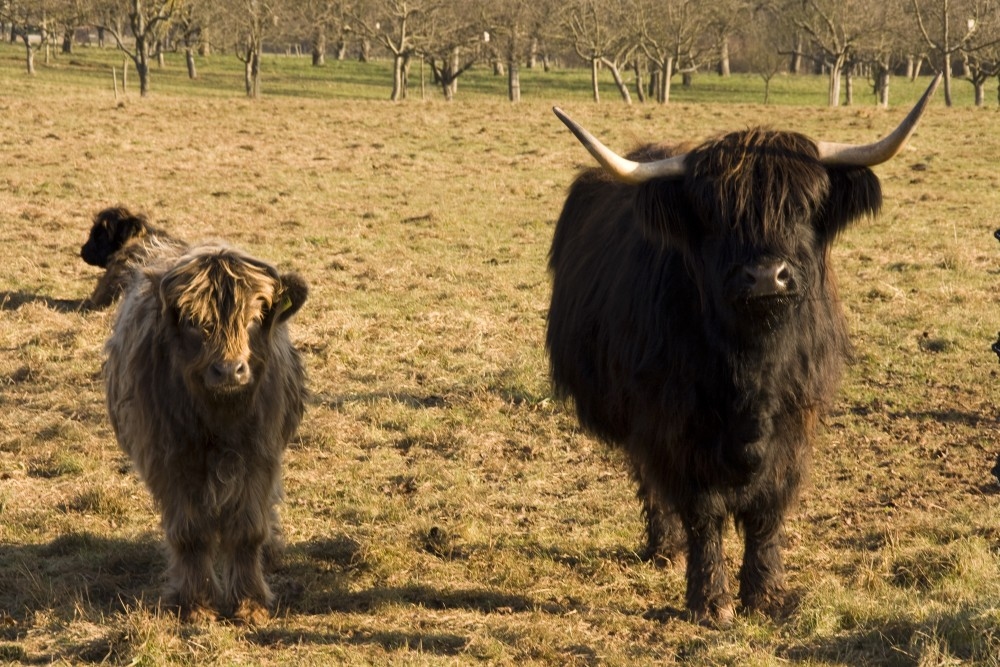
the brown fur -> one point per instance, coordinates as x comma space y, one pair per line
204, 391
119, 241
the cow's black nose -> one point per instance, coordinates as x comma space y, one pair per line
224, 373
770, 278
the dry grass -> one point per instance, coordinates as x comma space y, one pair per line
441, 508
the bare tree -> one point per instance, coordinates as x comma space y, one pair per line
763, 35
398, 25
30, 22
672, 35
836, 28
147, 21
190, 25
515, 28
452, 44
598, 34
951, 27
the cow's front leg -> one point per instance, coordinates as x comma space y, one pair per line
245, 591
762, 575
708, 597
191, 586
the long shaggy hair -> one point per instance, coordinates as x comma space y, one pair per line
713, 395
204, 391
119, 241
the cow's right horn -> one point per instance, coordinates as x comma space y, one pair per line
623, 169
869, 155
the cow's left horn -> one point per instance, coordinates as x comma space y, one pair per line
869, 155
625, 170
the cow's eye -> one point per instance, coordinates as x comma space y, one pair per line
189, 327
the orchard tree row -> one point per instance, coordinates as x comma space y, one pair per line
654, 41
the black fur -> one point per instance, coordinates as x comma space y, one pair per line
118, 241
713, 394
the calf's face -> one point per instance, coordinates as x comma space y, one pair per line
220, 309
112, 229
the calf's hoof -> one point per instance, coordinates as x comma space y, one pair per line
251, 612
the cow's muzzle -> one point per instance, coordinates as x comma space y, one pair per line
765, 279
227, 377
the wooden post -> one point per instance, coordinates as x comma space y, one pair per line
124, 75
114, 77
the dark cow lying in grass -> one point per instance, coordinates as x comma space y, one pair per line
119, 240
204, 391
695, 324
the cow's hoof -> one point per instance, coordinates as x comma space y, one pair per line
720, 616
773, 604
196, 614
251, 612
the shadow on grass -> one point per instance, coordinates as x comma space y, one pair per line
75, 569
14, 301
967, 634
100, 577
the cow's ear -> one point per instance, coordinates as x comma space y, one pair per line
664, 213
292, 293
128, 228
854, 193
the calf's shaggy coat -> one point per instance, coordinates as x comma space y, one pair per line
204, 391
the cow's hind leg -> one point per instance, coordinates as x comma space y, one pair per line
246, 593
664, 532
762, 575
708, 597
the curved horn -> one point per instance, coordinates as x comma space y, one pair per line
869, 155
623, 169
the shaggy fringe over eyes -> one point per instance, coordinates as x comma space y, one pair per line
760, 179
211, 285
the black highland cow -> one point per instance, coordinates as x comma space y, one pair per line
695, 323
120, 240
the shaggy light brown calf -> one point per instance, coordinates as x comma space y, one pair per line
204, 391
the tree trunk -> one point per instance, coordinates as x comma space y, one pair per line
29, 55
616, 75
882, 87
364, 52
189, 60
142, 65
593, 79
100, 37
319, 46
667, 74
397, 78
513, 79
980, 87
849, 86
946, 70
533, 53
255, 71
67, 41
453, 65
640, 91
795, 66
833, 85
724, 57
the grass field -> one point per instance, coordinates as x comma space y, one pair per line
441, 507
